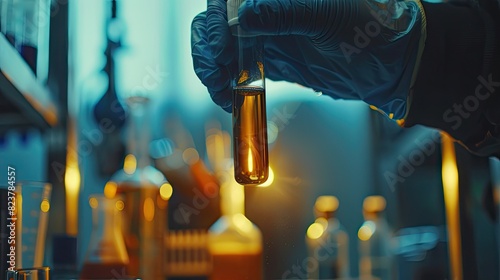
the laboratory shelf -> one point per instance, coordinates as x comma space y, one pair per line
24, 101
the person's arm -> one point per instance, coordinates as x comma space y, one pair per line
347, 49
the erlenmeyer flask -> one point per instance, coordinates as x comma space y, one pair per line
106, 256
146, 192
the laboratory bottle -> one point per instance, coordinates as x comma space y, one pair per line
106, 255
107, 115
250, 147
145, 201
327, 242
375, 242
234, 242
109, 108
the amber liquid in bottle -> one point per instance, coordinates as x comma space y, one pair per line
242, 267
144, 228
106, 256
250, 135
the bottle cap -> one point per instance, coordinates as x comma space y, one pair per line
326, 204
374, 204
232, 11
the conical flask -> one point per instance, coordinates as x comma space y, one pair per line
106, 256
234, 242
146, 193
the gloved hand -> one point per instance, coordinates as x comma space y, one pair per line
348, 49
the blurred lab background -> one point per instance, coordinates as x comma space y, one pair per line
69, 122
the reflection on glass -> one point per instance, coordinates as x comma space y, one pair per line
327, 242
234, 242
145, 194
32, 212
375, 242
106, 256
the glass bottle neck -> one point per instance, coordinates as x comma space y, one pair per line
232, 199
110, 69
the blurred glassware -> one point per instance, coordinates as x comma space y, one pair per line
106, 255
146, 193
414, 243
327, 242
108, 112
234, 242
32, 205
375, 242
24, 214
109, 109
37, 273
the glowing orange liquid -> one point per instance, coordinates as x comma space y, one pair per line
144, 235
237, 267
251, 163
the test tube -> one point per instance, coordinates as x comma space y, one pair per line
250, 149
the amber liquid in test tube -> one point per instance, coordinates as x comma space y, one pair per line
250, 149
250, 135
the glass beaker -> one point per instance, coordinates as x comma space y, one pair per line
142, 185
106, 256
31, 210
24, 213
